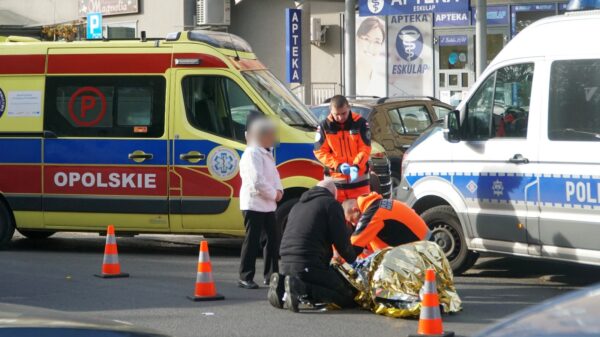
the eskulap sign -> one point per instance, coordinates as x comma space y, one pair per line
398, 7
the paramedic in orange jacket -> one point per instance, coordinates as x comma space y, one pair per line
343, 146
382, 223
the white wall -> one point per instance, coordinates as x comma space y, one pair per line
327, 58
43, 12
156, 17
262, 24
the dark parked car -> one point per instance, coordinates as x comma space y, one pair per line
395, 122
573, 314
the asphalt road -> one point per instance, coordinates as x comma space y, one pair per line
57, 274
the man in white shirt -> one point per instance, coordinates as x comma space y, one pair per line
260, 191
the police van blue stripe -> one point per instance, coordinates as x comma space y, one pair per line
103, 151
21, 151
554, 190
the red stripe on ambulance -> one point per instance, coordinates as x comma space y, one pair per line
109, 63
306, 168
151, 181
22, 64
21, 178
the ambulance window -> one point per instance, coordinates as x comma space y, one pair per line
217, 105
105, 106
574, 101
134, 106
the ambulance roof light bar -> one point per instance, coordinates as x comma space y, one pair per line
220, 40
583, 5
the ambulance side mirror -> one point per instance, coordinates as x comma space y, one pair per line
452, 126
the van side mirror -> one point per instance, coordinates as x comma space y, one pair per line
452, 126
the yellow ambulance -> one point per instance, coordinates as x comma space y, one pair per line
145, 135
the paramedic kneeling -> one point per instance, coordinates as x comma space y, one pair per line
314, 224
382, 223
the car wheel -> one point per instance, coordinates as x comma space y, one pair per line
36, 235
7, 225
447, 232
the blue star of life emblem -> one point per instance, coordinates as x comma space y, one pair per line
224, 163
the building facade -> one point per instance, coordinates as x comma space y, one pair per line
396, 55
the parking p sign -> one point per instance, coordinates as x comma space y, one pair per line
94, 26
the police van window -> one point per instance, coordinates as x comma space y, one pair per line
479, 110
105, 106
217, 105
574, 101
511, 100
500, 107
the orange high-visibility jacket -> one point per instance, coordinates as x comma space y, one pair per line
386, 223
337, 143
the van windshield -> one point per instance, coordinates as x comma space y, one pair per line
280, 99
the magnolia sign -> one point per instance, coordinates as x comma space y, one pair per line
108, 7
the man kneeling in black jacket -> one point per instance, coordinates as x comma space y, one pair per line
314, 224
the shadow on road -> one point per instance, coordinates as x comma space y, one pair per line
551, 273
143, 244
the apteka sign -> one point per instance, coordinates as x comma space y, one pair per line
293, 44
397, 7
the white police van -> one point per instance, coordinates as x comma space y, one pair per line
516, 168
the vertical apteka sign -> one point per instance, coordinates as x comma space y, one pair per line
293, 44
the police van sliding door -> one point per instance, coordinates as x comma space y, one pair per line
495, 166
211, 107
570, 162
105, 147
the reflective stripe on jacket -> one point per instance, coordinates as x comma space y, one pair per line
386, 223
350, 143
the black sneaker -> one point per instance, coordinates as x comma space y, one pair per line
292, 293
276, 290
247, 284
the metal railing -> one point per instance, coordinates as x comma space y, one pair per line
320, 91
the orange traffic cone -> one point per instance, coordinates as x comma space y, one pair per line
430, 321
205, 285
111, 268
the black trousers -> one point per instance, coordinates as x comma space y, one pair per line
259, 224
323, 284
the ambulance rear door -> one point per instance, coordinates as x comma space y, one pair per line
105, 145
210, 107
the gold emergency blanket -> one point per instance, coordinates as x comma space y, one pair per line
389, 281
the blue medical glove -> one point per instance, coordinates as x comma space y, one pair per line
344, 169
353, 173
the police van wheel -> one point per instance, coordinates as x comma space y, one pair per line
447, 232
7, 225
36, 235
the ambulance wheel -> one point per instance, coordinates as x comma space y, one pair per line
7, 225
281, 215
36, 235
447, 232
